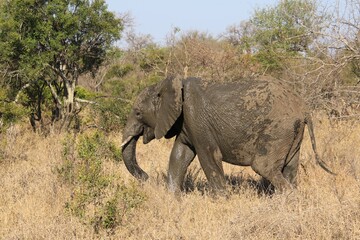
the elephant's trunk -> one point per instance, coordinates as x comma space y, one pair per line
129, 156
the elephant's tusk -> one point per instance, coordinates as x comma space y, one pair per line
128, 139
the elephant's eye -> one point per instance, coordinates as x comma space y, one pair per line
137, 114
158, 95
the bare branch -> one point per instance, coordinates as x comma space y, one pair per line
54, 94
20, 91
79, 100
118, 98
59, 73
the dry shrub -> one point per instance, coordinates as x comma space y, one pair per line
98, 197
32, 203
196, 54
32, 199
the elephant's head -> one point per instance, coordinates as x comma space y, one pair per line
155, 114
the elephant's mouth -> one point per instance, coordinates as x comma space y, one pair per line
147, 133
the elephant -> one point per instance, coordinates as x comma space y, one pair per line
257, 122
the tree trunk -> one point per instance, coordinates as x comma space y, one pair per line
68, 108
64, 111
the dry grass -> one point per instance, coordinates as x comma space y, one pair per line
323, 207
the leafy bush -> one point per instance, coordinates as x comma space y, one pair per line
112, 111
119, 71
10, 112
152, 57
98, 198
83, 93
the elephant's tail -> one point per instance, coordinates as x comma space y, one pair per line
310, 127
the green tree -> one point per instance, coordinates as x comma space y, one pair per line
48, 44
284, 31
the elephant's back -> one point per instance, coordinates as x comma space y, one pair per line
256, 97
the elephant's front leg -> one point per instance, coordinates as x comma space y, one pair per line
180, 158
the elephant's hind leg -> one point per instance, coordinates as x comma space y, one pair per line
270, 166
291, 169
275, 176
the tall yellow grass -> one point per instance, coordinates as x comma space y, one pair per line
323, 206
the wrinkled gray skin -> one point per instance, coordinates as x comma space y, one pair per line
258, 123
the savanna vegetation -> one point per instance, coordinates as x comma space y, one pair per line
66, 90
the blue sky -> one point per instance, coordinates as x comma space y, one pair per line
159, 17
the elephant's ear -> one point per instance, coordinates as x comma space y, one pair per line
170, 105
